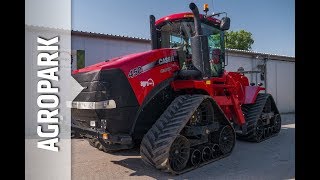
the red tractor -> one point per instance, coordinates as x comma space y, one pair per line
176, 101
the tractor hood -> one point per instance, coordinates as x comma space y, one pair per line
134, 69
130, 60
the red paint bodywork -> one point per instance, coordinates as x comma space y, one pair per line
184, 15
229, 91
251, 94
126, 63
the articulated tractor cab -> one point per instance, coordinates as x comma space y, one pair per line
176, 101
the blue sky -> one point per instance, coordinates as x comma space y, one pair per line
271, 22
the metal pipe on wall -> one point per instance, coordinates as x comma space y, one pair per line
265, 72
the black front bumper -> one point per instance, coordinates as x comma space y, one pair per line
109, 101
98, 133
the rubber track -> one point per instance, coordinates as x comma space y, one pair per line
252, 113
157, 141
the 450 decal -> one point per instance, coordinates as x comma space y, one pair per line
141, 69
135, 72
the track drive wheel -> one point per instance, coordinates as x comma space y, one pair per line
179, 153
226, 139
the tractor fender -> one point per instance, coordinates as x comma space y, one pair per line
218, 109
144, 112
251, 93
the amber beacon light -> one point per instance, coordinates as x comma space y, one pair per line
206, 8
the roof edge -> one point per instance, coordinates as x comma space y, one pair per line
237, 52
260, 55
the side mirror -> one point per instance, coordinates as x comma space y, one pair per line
225, 23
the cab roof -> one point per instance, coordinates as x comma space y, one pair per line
185, 15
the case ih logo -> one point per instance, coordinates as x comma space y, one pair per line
166, 60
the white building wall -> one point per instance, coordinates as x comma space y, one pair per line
272, 79
281, 82
97, 50
234, 62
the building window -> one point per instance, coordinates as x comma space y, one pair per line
80, 59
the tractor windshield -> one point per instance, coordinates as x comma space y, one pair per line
177, 35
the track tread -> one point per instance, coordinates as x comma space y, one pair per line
252, 113
156, 143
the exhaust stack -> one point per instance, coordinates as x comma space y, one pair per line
199, 45
153, 32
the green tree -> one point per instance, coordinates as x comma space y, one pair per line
239, 40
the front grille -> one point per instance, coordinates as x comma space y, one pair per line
110, 84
